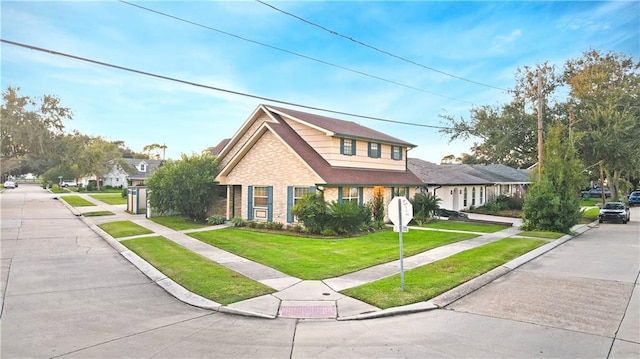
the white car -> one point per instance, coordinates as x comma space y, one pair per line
10, 184
69, 184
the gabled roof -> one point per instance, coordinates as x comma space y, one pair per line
462, 174
434, 174
329, 174
339, 128
503, 173
152, 165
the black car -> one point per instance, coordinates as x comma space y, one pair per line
615, 212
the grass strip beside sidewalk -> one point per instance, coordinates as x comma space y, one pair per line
110, 198
194, 272
178, 223
77, 201
426, 282
310, 259
120, 229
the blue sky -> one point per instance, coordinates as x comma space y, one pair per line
481, 41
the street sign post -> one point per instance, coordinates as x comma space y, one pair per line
400, 214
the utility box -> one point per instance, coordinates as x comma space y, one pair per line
137, 200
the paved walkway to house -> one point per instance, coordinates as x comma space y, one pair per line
296, 298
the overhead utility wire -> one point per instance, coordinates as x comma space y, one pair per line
380, 50
292, 53
168, 78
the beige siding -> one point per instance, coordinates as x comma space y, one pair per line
329, 148
271, 163
362, 159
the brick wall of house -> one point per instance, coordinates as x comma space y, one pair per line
271, 163
243, 139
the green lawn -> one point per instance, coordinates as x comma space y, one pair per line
110, 198
178, 223
121, 229
591, 214
76, 201
98, 213
196, 273
542, 234
464, 226
428, 281
324, 258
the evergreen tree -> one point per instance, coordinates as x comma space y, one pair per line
552, 202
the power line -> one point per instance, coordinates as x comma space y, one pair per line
292, 52
332, 32
168, 78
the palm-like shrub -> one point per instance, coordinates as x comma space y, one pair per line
347, 217
425, 206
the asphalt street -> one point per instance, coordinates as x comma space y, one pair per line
67, 293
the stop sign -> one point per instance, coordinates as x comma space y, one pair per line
400, 212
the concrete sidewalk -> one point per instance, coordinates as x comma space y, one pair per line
295, 298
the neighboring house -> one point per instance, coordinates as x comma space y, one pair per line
279, 155
462, 186
135, 175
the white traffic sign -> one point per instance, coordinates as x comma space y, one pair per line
400, 210
400, 213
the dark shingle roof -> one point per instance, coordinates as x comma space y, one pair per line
340, 127
503, 172
433, 174
152, 166
218, 148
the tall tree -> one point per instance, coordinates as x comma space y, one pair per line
552, 202
507, 133
28, 126
153, 150
97, 158
605, 95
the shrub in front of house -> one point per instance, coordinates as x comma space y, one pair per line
507, 202
215, 219
311, 211
425, 206
347, 217
338, 218
238, 222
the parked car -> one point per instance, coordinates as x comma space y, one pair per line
615, 212
10, 184
634, 198
452, 214
69, 184
597, 192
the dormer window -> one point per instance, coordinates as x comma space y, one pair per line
347, 147
374, 149
143, 167
396, 152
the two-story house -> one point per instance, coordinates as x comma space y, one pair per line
279, 155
